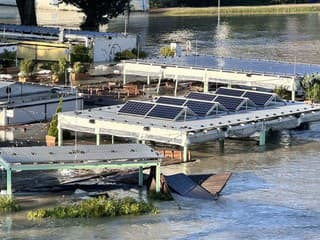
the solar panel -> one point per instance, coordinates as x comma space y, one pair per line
230, 92
165, 111
201, 96
200, 108
171, 101
136, 108
258, 98
230, 103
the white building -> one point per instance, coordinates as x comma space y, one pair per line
22, 103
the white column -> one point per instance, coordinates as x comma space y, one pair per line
60, 136
176, 87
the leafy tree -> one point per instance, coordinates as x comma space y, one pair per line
27, 12
8, 58
98, 11
80, 53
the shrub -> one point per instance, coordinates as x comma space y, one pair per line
8, 204
96, 207
167, 51
26, 67
53, 127
80, 53
79, 67
129, 54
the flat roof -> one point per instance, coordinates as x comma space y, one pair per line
236, 64
116, 153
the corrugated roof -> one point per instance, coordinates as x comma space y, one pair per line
76, 154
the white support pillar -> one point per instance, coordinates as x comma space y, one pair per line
176, 86
60, 136
205, 82
98, 139
112, 139
140, 176
148, 79
293, 90
158, 183
158, 85
185, 153
124, 74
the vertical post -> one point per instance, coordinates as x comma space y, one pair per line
98, 139
262, 138
140, 176
112, 139
60, 136
124, 74
218, 12
293, 90
176, 87
9, 182
205, 82
148, 79
158, 86
221, 144
158, 184
185, 153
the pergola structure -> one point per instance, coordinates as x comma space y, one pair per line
166, 119
79, 157
228, 71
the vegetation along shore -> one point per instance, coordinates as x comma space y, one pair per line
238, 10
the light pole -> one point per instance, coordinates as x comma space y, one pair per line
218, 12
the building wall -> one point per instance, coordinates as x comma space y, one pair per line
104, 49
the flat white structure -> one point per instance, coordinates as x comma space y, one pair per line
229, 71
22, 103
244, 123
79, 157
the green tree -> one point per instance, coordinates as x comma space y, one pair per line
98, 11
53, 127
80, 53
27, 12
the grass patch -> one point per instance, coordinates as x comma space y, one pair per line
97, 207
250, 10
8, 204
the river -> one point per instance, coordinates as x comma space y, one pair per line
274, 191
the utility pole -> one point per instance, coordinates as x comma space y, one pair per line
218, 12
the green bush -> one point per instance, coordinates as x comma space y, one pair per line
129, 54
79, 67
96, 207
167, 51
8, 204
80, 53
53, 127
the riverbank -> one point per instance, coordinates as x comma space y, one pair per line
239, 10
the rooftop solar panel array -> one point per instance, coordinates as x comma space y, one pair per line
230, 92
165, 111
200, 108
201, 96
259, 99
230, 103
136, 108
171, 101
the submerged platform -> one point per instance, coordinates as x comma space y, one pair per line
79, 157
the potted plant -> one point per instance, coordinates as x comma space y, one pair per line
26, 68
58, 70
52, 135
79, 72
